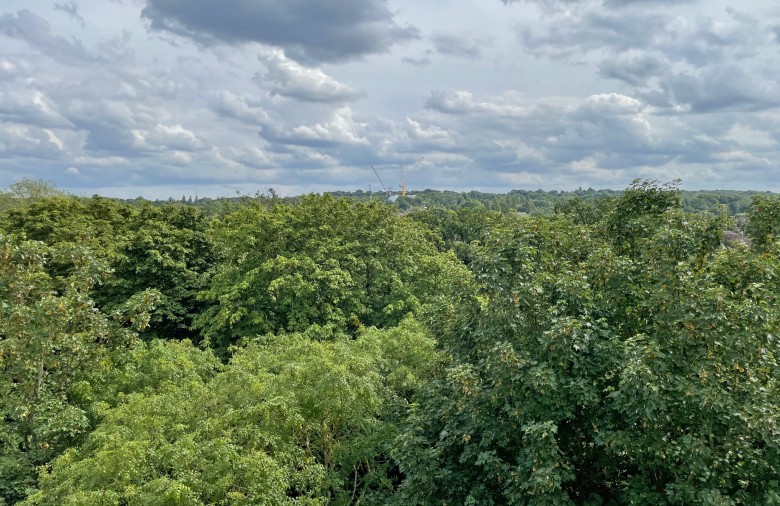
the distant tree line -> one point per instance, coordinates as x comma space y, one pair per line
540, 202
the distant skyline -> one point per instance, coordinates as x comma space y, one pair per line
159, 98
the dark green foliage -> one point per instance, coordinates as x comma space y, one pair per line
635, 214
322, 262
602, 369
764, 222
145, 247
165, 248
586, 212
460, 227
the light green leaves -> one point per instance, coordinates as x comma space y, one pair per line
289, 420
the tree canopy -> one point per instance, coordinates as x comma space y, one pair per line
614, 348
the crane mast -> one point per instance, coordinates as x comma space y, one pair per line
405, 179
380, 180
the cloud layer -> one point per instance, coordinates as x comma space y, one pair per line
164, 97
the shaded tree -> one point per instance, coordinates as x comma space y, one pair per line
325, 262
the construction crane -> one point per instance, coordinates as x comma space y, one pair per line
405, 179
387, 192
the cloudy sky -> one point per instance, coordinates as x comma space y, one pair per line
162, 98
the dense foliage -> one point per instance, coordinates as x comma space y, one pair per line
324, 262
53, 346
607, 348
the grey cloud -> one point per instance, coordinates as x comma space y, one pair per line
720, 88
71, 8
600, 135
253, 157
699, 42
157, 116
29, 141
707, 42
459, 46
595, 30
244, 108
681, 64
613, 3
609, 124
310, 30
428, 137
289, 78
118, 48
464, 103
108, 125
776, 32
417, 62
106, 138
640, 3
632, 69
165, 137
450, 103
31, 107
8, 70
36, 31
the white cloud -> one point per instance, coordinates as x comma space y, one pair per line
174, 137
429, 134
289, 78
340, 129
27, 141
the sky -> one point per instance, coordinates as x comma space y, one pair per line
163, 98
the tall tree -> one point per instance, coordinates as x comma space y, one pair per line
52, 340
325, 262
166, 249
26, 191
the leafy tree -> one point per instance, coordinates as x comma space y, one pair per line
97, 223
165, 248
27, 188
588, 212
611, 352
595, 370
26, 191
460, 227
146, 247
291, 420
52, 337
764, 220
325, 262
636, 211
